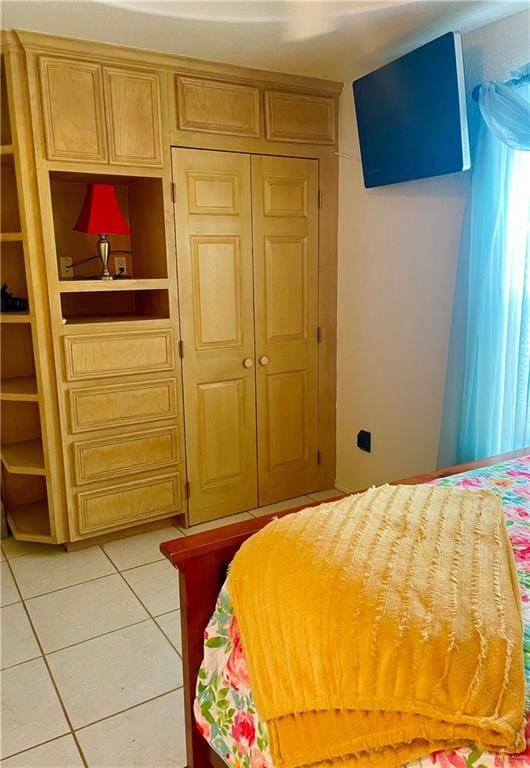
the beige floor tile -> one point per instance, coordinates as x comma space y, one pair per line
13, 548
18, 640
84, 611
169, 623
141, 549
55, 569
156, 585
324, 495
60, 753
31, 712
144, 737
8, 589
108, 674
279, 506
211, 524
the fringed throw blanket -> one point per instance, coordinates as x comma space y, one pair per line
364, 644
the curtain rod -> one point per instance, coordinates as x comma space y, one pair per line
518, 79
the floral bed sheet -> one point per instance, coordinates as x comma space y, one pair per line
225, 712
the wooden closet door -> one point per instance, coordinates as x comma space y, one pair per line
285, 235
214, 253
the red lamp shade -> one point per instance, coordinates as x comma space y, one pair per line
101, 212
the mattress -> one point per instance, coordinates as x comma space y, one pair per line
224, 708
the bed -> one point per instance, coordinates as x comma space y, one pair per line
202, 562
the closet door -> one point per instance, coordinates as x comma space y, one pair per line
285, 235
214, 253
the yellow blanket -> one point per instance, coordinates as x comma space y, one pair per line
383, 627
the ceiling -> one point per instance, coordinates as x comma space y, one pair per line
337, 40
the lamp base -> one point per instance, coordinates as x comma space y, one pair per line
103, 247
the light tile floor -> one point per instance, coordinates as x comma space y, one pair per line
90, 652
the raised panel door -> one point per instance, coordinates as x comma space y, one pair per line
133, 116
285, 233
214, 252
74, 119
300, 118
216, 107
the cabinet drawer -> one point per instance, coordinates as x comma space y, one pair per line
126, 504
116, 405
112, 457
97, 355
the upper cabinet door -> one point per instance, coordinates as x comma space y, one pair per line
133, 117
300, 118
74, 120
212, 106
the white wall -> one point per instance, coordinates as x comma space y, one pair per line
398, 250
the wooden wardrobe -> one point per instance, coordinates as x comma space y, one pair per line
203, 384
247, 255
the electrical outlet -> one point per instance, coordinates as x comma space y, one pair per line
120, 265
65, 263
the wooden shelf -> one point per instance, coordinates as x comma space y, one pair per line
11, 237
15, 317
19, 388
7, 149
97, 319
24, 458
76, 286
30, 522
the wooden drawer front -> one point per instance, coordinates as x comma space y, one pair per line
133, 117
216, 107
117, 405
74, 120
299, 118
115, 456
126, 504
92, 356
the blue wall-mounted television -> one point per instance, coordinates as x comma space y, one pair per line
411, 115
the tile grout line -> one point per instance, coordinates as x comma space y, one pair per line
52, 679
19, 663
69, 586
96, 637
149, 612
128, 709
44, 655
88, 725
35, 746
102, 634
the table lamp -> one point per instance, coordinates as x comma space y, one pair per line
101, 215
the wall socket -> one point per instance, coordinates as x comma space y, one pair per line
120, 262
65, 265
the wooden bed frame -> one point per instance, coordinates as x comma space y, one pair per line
202, 560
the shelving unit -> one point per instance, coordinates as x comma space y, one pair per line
144, 294
19, 388
30, 482
24, 458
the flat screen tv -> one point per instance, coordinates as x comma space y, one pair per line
411, 115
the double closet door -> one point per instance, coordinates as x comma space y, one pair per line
247, 252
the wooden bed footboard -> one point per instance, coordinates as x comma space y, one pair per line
202, 561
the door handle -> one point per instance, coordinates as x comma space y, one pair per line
264, 360
248, 362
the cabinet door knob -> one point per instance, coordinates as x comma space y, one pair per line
248, 362
264, 360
